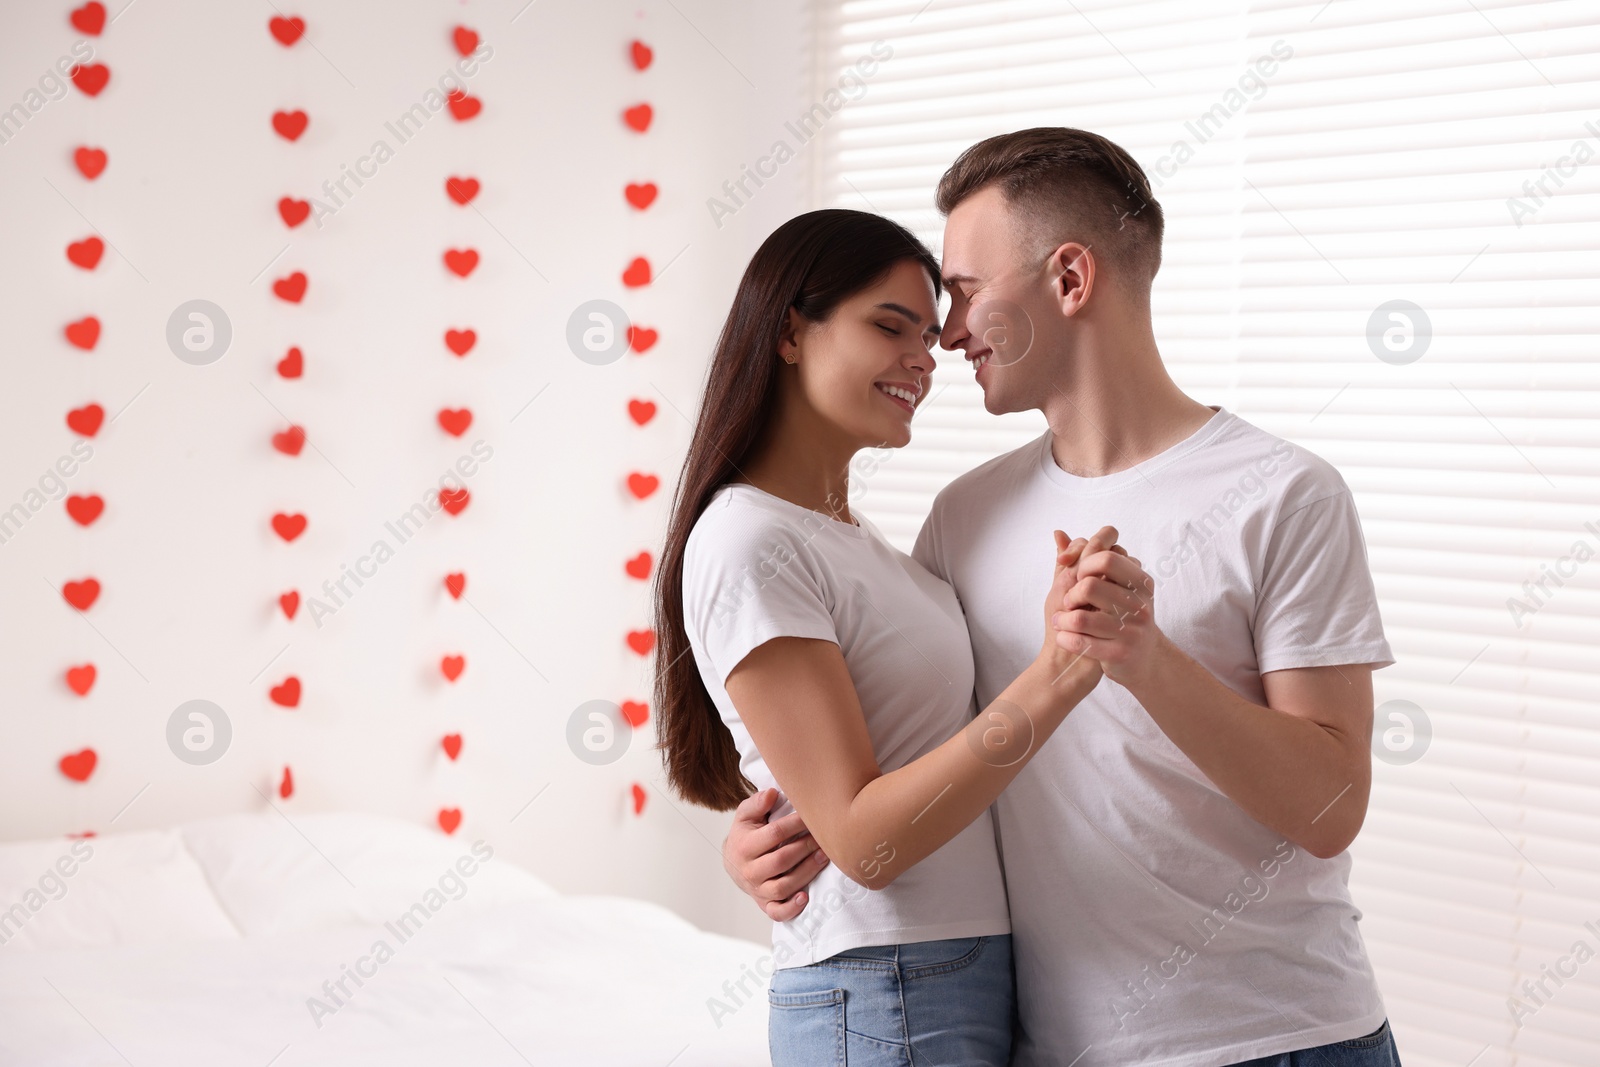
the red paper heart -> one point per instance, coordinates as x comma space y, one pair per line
79, 765
449, 819
290, 602
642, 485
461, 190
456, 422
466, 40
294, 211
642, 411
290, 124
639, 566
461, 261
456, 583
642, 55
642, 641
640, 196
81, 679
451, 744
454, 500
286, 693
460, 341
290, 441
86, 420
638, 798
637, 274
462, 106
287, 31
286, 787
292, 288
639, 116
642, 338
90, 161
87, 252
90, 79
84, 333
292, 364
636, 712
90, 18
85, 509
289, 527
81, 594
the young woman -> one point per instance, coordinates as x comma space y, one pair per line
800, 650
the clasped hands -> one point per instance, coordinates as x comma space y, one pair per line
1101, 606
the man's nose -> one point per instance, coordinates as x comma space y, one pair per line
953, 335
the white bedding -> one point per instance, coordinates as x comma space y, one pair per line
494, 967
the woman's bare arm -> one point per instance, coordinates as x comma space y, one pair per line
796, 698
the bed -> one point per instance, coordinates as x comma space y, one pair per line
349, 939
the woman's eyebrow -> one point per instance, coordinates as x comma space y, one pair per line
912, 315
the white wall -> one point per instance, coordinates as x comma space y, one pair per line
190, 568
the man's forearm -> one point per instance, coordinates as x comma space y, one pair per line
1294, 775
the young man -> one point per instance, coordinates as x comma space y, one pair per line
1175, 854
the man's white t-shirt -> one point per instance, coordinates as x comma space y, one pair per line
1154, 922
757, 567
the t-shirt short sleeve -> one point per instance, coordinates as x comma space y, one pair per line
1317, 606
750, 577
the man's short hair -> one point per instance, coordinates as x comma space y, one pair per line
1064, 185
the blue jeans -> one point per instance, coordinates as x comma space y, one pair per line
916, 1005
1375, 1050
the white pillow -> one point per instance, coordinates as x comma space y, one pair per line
338, 869
140, 888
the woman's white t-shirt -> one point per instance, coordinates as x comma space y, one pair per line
757, 567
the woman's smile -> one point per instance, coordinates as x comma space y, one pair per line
901, 394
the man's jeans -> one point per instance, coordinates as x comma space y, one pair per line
1375, 1050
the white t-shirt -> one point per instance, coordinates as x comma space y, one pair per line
1154, 922
757, 567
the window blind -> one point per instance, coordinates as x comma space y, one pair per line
1384, 250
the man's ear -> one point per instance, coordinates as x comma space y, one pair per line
1072, 270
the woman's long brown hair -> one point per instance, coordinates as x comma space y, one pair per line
811, 263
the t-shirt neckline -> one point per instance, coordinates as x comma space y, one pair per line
1139, 471
855, 529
